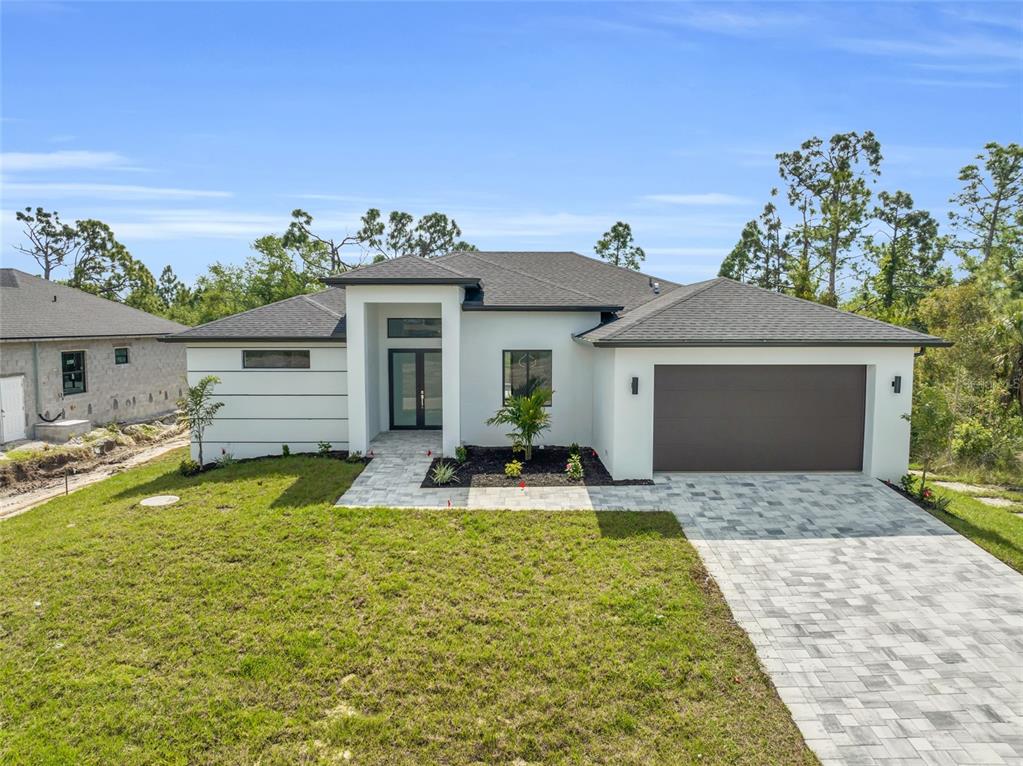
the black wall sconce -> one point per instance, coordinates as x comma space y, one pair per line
635, 386
897, 384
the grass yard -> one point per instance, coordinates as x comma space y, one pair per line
254, 623
999, 531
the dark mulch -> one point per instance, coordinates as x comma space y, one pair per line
485, 468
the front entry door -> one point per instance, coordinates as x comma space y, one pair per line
415, 388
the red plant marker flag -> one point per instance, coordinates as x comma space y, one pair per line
522, 484
449, 502
429, 453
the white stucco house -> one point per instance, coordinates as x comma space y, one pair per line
712, 376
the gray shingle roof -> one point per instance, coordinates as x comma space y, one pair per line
406, 269
554, 279
33, 308
319, 316
722, 312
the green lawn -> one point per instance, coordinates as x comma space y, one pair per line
997, 530
255, 623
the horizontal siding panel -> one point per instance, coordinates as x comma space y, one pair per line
294, 430
214, 360
242, 450
307, 406
271, 382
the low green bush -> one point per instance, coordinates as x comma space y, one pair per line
461, 454
443, 473
574, 467
189, 467
513, 469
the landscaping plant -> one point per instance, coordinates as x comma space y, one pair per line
443, 473
198, 409
513, 469
930, 427
285, 450
323, 448
189, 467
461, 454
574, 467
574, 449
528, 416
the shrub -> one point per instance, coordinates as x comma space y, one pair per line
574, 449
189, 467
198, 409
225, 459
443, 473
941, 503
513, 469
285, 450
574, 467
354, 457
323, 448
528, 416
973, 442
908, 483
461, 454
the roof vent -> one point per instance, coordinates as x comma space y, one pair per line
54, 298
655, 286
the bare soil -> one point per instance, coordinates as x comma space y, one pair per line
484, 467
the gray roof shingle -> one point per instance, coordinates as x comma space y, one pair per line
406, 269
554, 279
33, 308
318, 316
722, 312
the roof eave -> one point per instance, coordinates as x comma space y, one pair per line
751, 343
86, 336
474, 306
254, 339
354, 281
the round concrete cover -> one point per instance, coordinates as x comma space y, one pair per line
160, 500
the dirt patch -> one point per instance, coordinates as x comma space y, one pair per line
484, 467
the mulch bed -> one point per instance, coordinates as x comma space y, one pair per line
485, 468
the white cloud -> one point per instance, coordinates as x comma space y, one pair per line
105, 191
60, 160
707, 198
733, 20
948, 46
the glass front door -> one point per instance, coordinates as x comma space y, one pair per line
415, 388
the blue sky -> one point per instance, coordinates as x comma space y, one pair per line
194, 128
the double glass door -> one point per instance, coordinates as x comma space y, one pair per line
415, 388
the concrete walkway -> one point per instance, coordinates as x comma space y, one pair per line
892, 639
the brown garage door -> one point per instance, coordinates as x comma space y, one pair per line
758, 417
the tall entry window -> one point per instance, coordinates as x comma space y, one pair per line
72, 368
526, 371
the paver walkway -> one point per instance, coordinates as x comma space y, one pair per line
892, 639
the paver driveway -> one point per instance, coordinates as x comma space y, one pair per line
890, 637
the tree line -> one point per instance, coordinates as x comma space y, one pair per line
879, 255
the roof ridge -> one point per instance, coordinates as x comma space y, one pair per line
701, 287
602, 262
309, 298
541, 280
823, 306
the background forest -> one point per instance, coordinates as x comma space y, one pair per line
830, 233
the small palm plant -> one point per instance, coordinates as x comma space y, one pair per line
528, 417
198, 409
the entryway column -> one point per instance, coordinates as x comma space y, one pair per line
451, 365
358, 412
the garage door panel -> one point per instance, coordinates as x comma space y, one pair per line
758, 417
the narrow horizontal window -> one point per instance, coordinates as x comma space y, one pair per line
120, 356
526, 371
262, 359
72, 369
402, 327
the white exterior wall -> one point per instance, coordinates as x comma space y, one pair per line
267, 408
487, 334
628, 451
367, 308
603, 404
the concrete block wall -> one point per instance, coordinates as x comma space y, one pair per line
145, 388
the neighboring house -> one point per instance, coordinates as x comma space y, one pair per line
67, 354
655, 376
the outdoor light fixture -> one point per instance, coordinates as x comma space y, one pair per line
897, 384
635, 386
